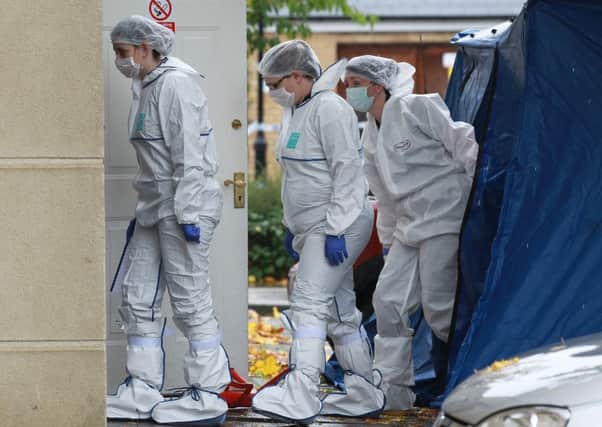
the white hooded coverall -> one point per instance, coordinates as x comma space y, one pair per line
419, 165
176, 184
324, 192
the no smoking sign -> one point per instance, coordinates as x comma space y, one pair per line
160, 9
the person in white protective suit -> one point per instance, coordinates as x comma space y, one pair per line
420, 165
329, 220
179, 205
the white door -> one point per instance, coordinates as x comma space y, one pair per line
210, 36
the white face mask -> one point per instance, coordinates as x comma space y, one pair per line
358, 98
128, 67
283, 97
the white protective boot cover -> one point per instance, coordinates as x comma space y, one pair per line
134, 400
361, 397
207, 373
399, 397
145, 360
296, 398
393, 361
206, 365
195, 407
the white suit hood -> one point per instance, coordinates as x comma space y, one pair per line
330, 77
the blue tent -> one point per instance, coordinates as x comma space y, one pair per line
531, 245
470, 98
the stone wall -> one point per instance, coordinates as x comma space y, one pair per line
52, 304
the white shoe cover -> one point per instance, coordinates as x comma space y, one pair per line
399, 397
294, 399
207, 368
134, 400
196, 407
360, 399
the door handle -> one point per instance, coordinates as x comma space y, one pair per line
239, 189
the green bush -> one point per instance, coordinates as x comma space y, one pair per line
267, 256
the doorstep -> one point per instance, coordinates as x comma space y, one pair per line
268, 296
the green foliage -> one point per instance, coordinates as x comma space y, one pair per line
267, 256
294, 23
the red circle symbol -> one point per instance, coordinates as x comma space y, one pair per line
160, 9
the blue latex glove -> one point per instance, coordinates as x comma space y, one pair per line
130, 231
192, 233
288, 244
335, 249
385, 251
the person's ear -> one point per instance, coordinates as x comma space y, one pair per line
297, 77
146, 50
374, 90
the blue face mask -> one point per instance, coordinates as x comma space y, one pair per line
358, 98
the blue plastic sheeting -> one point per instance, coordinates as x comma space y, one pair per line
541, 170
489, 37
469, 90
479, 96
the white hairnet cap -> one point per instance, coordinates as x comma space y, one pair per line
137, 29
285, 57
397, 78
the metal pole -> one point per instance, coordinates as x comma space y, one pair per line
260, 143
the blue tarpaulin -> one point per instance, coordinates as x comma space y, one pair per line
531, 244
470, 98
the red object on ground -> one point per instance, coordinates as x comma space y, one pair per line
240, 392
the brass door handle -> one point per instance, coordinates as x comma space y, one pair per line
239, 189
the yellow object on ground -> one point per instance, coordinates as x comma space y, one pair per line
275, 313
499, 364
268, 344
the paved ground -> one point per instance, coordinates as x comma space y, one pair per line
246, 418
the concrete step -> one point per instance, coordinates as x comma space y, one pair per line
268, 297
